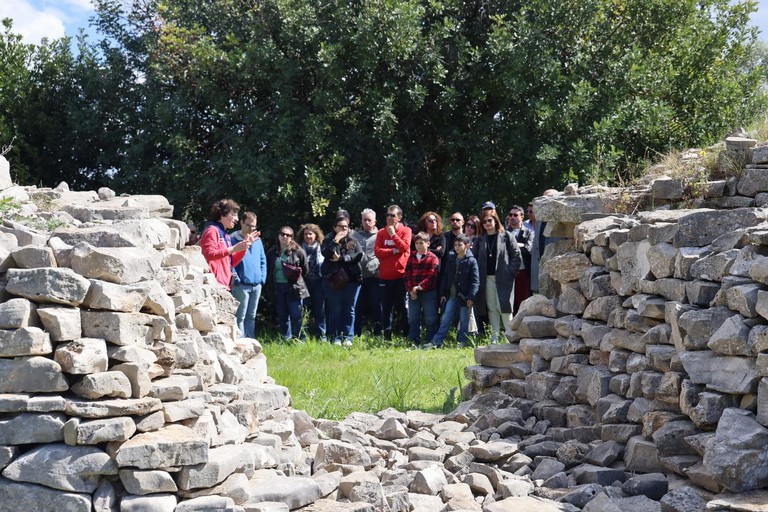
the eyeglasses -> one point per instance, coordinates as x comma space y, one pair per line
488, 221
471, 226
455, 220
287, 235
343, 226
514, 215
391, 215
431, 220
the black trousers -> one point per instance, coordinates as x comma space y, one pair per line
393, 303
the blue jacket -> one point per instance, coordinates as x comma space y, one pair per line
467, 279
253, 269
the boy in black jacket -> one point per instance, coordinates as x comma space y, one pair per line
459, 285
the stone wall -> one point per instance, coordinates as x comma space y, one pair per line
653, 330
123, 384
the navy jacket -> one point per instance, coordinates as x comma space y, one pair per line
467, 279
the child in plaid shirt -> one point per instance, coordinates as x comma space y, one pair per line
421, 283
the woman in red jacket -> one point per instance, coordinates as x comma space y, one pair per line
216, 245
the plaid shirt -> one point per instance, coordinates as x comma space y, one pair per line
421, 273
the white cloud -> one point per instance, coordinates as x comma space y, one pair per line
33, 23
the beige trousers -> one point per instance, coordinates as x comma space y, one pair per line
495, 316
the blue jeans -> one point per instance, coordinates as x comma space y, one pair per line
393, 300
425, 302
341, 310
369, 305
452, 306
248, 295
288, 311
316, 304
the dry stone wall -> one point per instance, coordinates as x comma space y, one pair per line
652, 335
123, 382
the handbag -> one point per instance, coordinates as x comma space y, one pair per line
339, 279
292, 273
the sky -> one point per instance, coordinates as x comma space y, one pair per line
35, 19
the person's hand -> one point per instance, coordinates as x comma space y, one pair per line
414, 295
335, 256
241, 246
391, 230
439, 248
469, 303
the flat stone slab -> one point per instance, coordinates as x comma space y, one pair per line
296, 492
56, 285
27, 428
173, 445
30, 375
68, 468
114, 407
16, 496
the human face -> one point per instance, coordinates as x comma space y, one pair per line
422, 246
460, 248
431, 223
229, 220
393, 217
369, 222
515, 219
309, 237
286, 235
531, 215
342, 226
470, 229
489, 224
457, 222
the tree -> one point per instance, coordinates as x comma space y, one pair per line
298, 107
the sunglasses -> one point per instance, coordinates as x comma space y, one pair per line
488, 221
391, 215
455, 220
288, 235
471, 226
431, 220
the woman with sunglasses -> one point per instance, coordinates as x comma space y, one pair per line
286, 268
498, 258
342, 278
431, 223
473, 229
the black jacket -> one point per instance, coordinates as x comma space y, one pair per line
350, 252
467, 279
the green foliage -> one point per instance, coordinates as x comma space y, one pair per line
302, 107
369, 377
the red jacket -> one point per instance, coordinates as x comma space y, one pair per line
421, 272
216, 252
393, 252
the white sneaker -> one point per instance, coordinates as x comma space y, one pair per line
347, 343
427, 346
337, 343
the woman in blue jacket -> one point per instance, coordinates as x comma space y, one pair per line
251, 275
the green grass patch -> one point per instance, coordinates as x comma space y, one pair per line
331, 382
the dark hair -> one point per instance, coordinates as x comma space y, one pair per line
397, 209
421, 235
516, 207
422, 224
475, 221
222, 208
249, 216
461, 238
495, 216
342, 214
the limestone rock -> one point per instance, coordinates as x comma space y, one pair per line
700, 228
105, 384
31, 374
68, 468
17, 313
125, 265
56, 285
26, 341
173, 445
16, 496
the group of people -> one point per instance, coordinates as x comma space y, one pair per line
397, 278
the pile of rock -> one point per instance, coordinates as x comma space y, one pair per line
655, 336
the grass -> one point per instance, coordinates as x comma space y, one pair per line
331, 382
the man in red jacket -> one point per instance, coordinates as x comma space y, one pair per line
392, 247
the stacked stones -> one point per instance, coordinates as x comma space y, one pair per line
121, 381
654, 345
